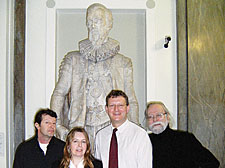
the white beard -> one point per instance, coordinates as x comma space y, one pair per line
158, 127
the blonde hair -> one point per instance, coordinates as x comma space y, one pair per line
67, 153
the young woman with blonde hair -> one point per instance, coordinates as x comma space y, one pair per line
77, 151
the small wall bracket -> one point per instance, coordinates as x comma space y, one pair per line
167, 40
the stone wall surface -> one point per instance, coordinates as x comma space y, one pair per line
182, 65
19, 72
206, 73
204, 82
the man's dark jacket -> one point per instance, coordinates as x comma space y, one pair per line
97, 163
177, 149
30, 155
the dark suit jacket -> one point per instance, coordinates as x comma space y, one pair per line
97, 163
177, 149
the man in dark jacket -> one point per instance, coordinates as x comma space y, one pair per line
172, 148
43, 150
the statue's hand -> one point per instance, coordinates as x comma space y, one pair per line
62, 132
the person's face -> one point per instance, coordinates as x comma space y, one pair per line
78, 145
157, 118
117, 110
97, 27
47, 126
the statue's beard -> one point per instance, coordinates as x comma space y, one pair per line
158, 127
97, 37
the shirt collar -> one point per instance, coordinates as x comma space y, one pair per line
80, 165
122, 127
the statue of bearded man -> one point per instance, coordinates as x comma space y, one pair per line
88, 75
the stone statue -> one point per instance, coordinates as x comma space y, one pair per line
88, 75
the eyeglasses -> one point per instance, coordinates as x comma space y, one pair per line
158, 116
119, 106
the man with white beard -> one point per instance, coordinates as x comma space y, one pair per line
173, 148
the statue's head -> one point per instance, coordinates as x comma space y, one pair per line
99, 22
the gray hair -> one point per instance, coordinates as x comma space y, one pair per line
164, 108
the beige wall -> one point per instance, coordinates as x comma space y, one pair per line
6, 81
3, 88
